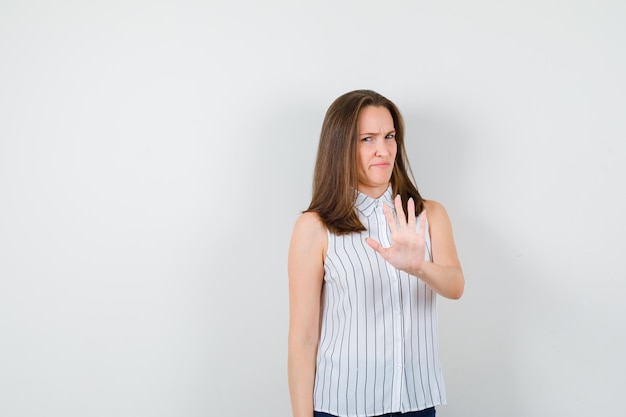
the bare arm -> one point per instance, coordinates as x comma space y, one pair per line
444, 274
306, 274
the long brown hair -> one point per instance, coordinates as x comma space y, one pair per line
335, 179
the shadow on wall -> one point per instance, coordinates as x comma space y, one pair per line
276, 184
479, 340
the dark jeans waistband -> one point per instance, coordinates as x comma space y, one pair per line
428, 412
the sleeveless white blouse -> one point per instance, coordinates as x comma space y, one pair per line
378, 350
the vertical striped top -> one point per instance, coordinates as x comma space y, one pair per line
378, 347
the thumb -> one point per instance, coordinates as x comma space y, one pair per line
374, 244
380, 249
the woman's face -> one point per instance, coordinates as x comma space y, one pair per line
376, 150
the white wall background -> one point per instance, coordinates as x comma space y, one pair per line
155, 154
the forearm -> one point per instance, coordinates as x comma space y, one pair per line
301, 370
447, 281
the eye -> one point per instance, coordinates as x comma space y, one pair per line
390, 136
366, 139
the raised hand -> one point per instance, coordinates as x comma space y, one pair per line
408, 244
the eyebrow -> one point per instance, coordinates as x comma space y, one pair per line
375, 133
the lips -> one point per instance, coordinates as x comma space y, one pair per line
381, 165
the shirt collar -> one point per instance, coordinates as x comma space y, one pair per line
366, 204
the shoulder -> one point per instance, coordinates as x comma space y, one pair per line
437, 216
309, 223
309, 232
434, 209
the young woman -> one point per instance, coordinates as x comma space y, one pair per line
366, 262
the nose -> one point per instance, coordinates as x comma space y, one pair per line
381, 148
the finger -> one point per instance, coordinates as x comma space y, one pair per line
393, 226
410, 208
401, 218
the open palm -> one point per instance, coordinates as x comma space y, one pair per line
408, 244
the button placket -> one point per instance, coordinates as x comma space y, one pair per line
395, 286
